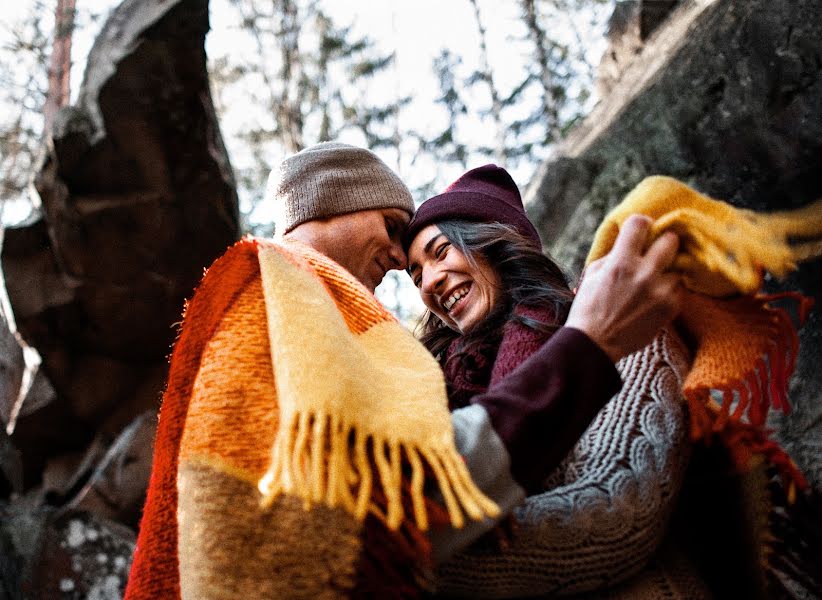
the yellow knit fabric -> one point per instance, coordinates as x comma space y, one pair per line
354, 389
723, 249
744, 347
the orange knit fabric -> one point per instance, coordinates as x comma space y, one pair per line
218, 423
155, 568
745, 352
234, 434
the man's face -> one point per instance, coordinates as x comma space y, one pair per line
368, 242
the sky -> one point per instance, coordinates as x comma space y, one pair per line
417, 31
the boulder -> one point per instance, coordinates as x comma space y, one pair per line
138, 197
73, 555
727, 97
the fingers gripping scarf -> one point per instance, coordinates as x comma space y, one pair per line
745, 347
292, 388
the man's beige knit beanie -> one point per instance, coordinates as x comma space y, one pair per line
332, 179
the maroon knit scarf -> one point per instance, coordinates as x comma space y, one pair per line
477, 369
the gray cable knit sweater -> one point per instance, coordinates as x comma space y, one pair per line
602, 518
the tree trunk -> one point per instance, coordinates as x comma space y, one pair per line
59, 88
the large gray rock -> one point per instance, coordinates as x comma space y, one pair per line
726, 96
631, 24
138, 198
13, 381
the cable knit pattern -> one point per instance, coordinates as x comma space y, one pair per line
614, 495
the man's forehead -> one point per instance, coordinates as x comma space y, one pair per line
396, 214
401, 214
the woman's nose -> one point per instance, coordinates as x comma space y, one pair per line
432, 279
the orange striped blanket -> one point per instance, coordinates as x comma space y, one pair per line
299, 419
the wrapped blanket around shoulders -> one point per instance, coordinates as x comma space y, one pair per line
299, 418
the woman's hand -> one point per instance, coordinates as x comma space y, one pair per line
627, 295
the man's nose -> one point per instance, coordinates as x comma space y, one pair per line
397, 257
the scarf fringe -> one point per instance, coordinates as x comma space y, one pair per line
742, 430
323, 459
397, 564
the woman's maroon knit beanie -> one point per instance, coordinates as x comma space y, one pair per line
486, 194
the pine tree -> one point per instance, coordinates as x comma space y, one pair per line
485, 76
559, 66
526, 119
545, 72
23, 90
446, 145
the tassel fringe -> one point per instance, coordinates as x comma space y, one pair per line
739, 421
323, 459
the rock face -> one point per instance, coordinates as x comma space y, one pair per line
138, 198
726, 96
631, 24
69, 555
12, 376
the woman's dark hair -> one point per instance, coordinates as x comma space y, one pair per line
529, 278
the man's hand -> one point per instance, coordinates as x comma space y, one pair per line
626, 296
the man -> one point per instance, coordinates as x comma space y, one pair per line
346, 204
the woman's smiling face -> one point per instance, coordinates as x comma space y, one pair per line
460, 292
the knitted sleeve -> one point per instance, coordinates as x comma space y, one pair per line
605, 521
542, 407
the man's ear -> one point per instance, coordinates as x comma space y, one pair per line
304, 231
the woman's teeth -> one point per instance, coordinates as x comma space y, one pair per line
454, 297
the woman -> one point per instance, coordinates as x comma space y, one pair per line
493, 298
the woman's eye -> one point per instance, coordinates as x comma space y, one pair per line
417, 281
441, 250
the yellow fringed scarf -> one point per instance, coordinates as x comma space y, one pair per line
301, 435
354, 389
723, 250
745, 348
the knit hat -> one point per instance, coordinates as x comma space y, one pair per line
485, 194
331, 179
